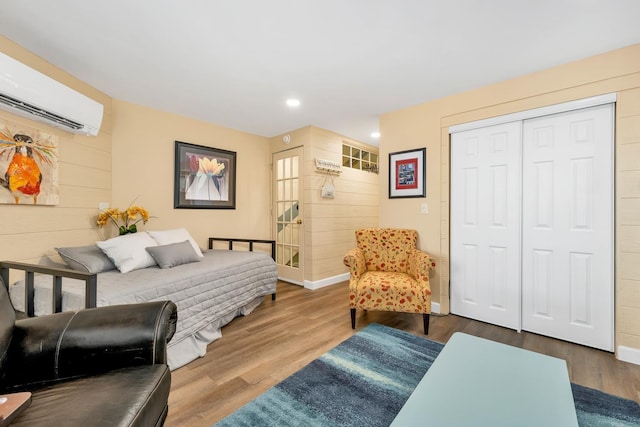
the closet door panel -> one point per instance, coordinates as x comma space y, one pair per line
485, 224
567, 229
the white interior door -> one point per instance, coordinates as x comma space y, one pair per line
287, 174
485, 224
567, 264
532, 230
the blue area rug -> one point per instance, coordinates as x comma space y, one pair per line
365, 381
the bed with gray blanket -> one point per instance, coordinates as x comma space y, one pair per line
209, 294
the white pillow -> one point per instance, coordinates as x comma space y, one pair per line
177, 235
129, 252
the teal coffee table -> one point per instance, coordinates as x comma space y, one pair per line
477, 382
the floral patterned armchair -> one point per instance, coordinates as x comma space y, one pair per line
389, 273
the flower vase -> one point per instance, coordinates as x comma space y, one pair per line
122, 230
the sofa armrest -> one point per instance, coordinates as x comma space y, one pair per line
419, 265
88, 342
354, 259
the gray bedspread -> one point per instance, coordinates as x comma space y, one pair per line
209, 294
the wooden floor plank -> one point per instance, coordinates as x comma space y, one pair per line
280, 337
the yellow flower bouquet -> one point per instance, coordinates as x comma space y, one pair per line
126, 220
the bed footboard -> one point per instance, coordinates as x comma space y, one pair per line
250, 242
91, 283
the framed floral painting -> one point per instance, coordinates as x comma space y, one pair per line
205, 177
407, 174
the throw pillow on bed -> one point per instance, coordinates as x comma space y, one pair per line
129, 252
173, 254
177, 235
89, 259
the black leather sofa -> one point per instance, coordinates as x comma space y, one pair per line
96, 367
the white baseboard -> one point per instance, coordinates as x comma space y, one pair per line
628, 354
326, 282
435, 307
293, 282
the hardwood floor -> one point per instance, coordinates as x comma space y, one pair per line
280, 337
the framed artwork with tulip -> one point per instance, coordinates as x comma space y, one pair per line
205, 177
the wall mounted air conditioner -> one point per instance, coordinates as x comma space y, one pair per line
29, 93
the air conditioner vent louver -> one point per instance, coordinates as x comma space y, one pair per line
31, 109
31, 94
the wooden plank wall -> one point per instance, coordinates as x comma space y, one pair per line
30, 233
330, 223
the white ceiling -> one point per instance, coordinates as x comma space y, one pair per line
234, 63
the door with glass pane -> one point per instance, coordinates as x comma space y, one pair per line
287, 173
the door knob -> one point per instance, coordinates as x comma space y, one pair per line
299, 221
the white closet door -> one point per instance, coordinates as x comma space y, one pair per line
485, 224
567, 235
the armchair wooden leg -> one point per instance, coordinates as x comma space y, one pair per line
353, 318
425, 320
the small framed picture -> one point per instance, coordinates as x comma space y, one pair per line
205, 177
407, 174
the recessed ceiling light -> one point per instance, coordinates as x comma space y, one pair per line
375, 134
293, 102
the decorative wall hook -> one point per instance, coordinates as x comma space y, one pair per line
328, 166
